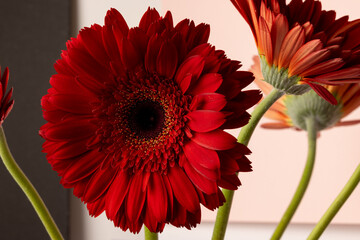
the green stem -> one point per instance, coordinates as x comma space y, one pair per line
246, 132
28, 188
336, 205
150, 235
259, 111
304, 181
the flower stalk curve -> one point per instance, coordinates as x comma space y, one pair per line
304, 181
28, 189
336, 205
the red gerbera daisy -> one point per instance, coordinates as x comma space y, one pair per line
301, 45
136, 121
6, 103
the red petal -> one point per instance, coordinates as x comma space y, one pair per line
208, 83
169, 20
215, 140
198, 35
7, 109
236, 120
69, 130
293, 40
183, 189
79, 188
324, 93
167, 60
185, 83
53, 116
203, 183
193, 65
114, 17
2, 90
110, 43
208, 101
116, 194
230, 182
67, 84
139, 39
214, 200
346, 73
4, 81
96, 208
78, 104
205, 120
170, 195
309, 61
68, 150
348, 123
99, 183
118, 69
83, 166
135, 199
279, 30
157, 198
212, 174
265, 41
304, 51
205, 50
85, 65
150, 16
152, 51
198, 155
91, 87
243, 101
233, 84
92, 41
324, 67
130, 57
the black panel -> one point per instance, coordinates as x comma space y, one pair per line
32, 34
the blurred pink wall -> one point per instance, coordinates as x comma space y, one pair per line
279, 156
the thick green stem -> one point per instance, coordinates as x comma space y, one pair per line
336, 205
150, 235
246, 132
304, 181
259, 111
28, 189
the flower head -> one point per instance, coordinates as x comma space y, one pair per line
6, 102
302, 46
136, 121
291, 111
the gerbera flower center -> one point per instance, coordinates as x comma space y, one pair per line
141, 122
146, 119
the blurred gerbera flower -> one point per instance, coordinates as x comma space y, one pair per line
136, 121
290, 111
6, 102
302, 46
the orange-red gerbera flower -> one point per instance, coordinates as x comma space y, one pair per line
290, 111
301, 45
6, 103
136, 121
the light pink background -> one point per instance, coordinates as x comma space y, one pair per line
279, 156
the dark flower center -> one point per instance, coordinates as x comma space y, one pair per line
146, 119
141, 122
